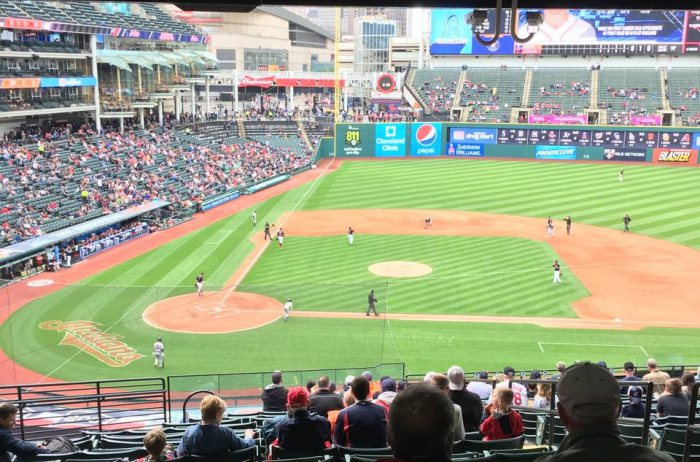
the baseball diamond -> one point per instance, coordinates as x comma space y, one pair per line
490, 278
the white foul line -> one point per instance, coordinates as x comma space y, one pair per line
539, 344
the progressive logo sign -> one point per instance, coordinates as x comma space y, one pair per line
426, 139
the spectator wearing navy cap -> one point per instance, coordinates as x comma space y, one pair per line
389, 390
635, 409
520, 390
302, 432
468, 401
629, 377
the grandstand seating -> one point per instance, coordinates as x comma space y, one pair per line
436, 89
490, 94
684, 94
77, 12
172, 166
629, 92
560, 91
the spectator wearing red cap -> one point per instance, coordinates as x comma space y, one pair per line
302, 432
362, 425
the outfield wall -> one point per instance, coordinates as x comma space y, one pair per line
556, 142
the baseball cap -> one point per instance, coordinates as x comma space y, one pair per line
276, 376
589, 393
455, 374
535, 374
603, 363
298, 397
629, 366
483, 375
635, 394
388, 385
509, 371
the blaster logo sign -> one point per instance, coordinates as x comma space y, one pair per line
676, 156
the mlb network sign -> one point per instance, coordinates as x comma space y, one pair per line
390, 140
425, 139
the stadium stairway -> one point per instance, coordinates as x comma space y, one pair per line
304, 136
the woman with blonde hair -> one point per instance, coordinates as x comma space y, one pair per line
543, 396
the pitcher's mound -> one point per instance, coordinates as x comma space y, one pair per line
400, 269
214, 313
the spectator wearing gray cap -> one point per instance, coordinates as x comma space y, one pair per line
482, 389
589, 404
274, 396
468, 401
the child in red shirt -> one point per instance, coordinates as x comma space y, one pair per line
503, 422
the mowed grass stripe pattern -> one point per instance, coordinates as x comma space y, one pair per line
662, 201
471, 275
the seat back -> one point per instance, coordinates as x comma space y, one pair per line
673, 442
509, 443
342, 450
278, 453
632, 433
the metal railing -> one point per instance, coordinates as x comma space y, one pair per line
47, 409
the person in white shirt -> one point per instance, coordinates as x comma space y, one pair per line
159, 353
560, 26
287, 309
519, 390
482, 389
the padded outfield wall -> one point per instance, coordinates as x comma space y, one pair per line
665, 145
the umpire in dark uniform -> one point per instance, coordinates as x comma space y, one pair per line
626, 221
371, 300
267, 231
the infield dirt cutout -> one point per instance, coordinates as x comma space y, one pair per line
633, 279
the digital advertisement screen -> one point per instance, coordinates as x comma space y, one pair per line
572, 32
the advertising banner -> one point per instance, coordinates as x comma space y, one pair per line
675, 156
544, 136
354, 140
675, 140
8, 84
47, 82
557, 119
426, 139
473, 135
555, 152
696, 141
390, 140
465, 150
625, 154
645, 120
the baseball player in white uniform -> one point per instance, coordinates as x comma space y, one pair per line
280, 237
351, 235
557, 272
158, 353
287, 309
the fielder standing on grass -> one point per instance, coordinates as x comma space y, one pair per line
371, 301
351, 235
280, 237
159, 353
557, 272
255, 218
626, 221
287, 309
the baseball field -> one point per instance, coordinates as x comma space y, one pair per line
474, 289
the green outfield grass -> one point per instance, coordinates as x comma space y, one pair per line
471, 275
662, 202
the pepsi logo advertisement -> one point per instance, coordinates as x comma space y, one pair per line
426, 139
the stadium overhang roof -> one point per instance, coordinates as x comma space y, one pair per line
249, 5
124, 58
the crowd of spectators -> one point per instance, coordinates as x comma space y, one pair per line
438, 94
575, 88
628, 93
84, 172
